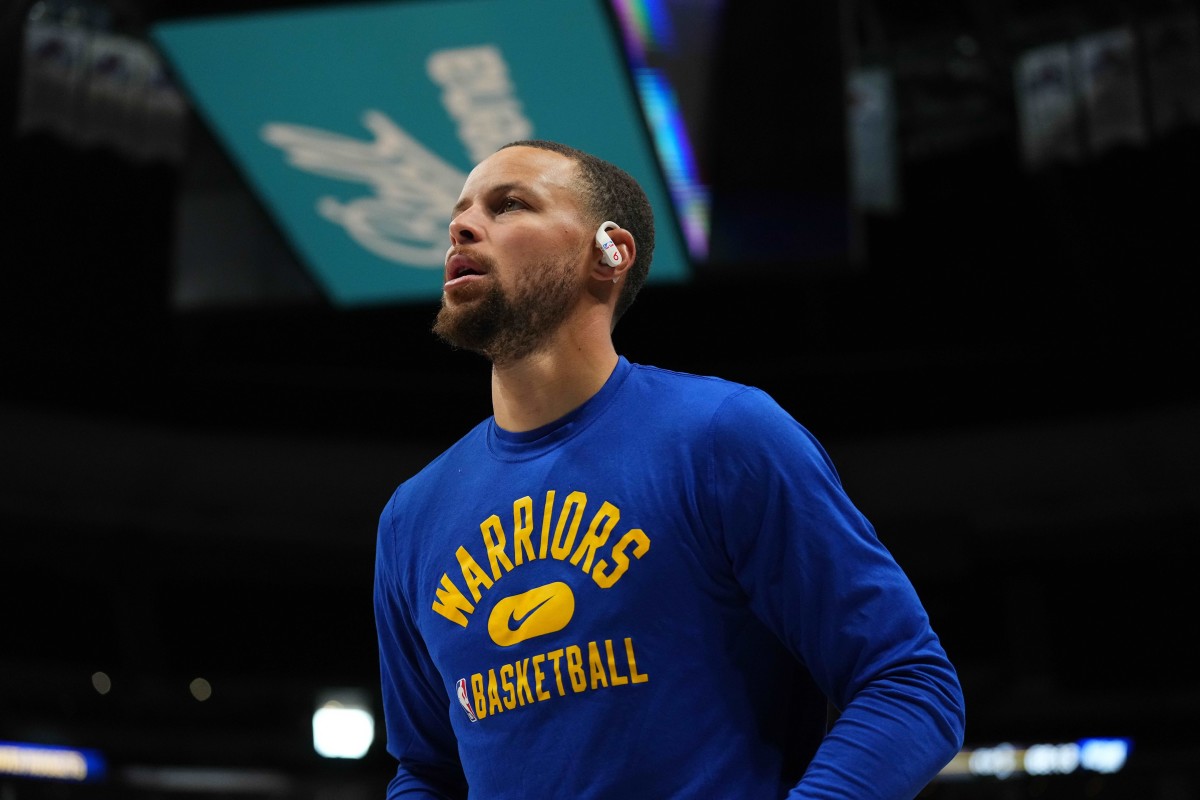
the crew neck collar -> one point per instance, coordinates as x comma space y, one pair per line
513, 445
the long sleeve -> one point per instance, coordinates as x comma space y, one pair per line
419, 735
818, 575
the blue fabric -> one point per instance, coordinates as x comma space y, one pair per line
652, 597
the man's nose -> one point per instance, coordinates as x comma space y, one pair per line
464, 227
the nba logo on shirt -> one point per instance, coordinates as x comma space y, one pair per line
465, 701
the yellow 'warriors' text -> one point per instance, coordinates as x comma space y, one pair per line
561, 535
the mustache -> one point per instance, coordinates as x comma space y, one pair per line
466, 252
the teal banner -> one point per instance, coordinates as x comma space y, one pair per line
356, 125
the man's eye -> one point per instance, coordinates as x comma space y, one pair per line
509, 204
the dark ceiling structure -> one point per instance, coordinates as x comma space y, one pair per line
1003, 370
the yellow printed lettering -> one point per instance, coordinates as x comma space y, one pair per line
547, 515
477, 694
600, 574
523, 530
575, 668
451, 604
617, 678
472, 574
634, 675
554, 656
560, 535
596, 666
528, 681
510, 695
608, 515
523, 691
493, 693
493, 540
539, 676
560, 548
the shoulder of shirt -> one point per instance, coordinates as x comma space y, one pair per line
683, 400
448, 457
697, 387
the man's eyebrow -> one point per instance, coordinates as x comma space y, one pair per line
498, 189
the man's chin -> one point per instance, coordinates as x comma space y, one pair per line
455, 327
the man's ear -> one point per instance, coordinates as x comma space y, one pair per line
617, 251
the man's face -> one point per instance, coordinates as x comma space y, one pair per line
519, 254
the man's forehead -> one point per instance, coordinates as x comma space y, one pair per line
532, 167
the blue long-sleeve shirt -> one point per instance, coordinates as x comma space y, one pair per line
656, 596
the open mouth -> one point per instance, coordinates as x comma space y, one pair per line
460, 267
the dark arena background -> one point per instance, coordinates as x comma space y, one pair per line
955, 240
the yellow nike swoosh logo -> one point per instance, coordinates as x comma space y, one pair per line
536, 612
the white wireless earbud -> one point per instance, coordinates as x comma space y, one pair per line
608, 249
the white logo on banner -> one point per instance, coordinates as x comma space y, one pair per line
405, 218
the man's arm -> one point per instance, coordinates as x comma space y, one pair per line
817, 574
417, 722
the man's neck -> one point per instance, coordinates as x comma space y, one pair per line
550, 383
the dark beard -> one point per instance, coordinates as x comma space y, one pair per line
506, 329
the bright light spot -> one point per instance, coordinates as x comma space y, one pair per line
1048, 759
200, 689
1005, 760
341, 732
101, 682
50, 761
1103, 755
999, 761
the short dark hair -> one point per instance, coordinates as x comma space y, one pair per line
611, 193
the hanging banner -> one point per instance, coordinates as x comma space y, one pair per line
357, 125
871, 123
1111, 90
1047, 106
1172, 45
